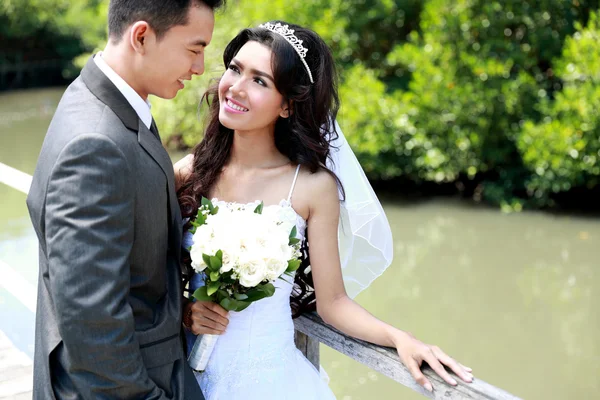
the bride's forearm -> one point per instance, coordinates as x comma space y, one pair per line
349, 317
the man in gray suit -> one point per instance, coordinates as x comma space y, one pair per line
104, 207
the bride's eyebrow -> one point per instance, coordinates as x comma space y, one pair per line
254, 71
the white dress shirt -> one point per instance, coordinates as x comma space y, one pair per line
141, 106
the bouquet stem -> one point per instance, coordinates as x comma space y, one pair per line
200, 354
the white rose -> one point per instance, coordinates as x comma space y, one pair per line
275, 268
228, 262
251, 272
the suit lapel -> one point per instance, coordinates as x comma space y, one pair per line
107, 92
156, 150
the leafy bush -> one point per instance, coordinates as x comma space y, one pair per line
563, 149
500, 97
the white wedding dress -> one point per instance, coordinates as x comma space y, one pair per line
256, 357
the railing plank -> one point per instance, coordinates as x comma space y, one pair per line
386, 361
15, 178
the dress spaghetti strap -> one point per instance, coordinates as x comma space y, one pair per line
289, 199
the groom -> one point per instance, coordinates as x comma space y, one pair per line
103, 205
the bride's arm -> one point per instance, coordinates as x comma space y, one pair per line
183, 169
338, 310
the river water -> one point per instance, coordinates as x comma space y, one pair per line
514, 296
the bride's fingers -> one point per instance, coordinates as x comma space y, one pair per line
452, 364
415, 371
439, 369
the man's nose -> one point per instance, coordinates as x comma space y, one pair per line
198, 66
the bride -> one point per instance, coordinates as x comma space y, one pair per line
265, 141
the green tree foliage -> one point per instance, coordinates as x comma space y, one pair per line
500, 96
563, 148
447, 91
35, 30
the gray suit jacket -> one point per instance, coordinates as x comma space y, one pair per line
103, 205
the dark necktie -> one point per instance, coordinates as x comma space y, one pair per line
154, 129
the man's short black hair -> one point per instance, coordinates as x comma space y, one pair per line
162, 15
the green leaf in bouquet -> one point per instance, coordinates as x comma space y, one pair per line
234, 305
228, 304
269, 289
293, 232
261, 291
214, 276
206, 259
293, 265
259, 208
215, 263
221, 294
240, 296
206, 202
256, 294
202, 294
213, 287
219, 254
294, 241
242, 305
226, 278
200, 220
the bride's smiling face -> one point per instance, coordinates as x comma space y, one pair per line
248, 98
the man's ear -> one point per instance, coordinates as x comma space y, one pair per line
140, 35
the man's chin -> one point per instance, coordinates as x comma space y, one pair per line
167, 94
171, 95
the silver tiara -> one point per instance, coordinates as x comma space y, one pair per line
288, 34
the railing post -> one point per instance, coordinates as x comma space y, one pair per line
309, 347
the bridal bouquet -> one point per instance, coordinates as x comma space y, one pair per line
240, 252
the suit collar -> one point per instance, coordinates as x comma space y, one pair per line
141, 106
101, 87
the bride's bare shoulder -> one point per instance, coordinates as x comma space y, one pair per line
183, 169
317, 188
321, 182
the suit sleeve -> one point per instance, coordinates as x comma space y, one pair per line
89, 236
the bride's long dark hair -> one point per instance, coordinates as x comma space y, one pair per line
304, 137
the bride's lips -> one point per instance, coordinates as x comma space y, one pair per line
234, 107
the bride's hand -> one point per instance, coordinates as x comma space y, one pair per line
208, 318
413, 352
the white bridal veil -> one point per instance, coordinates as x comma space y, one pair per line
364, 234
